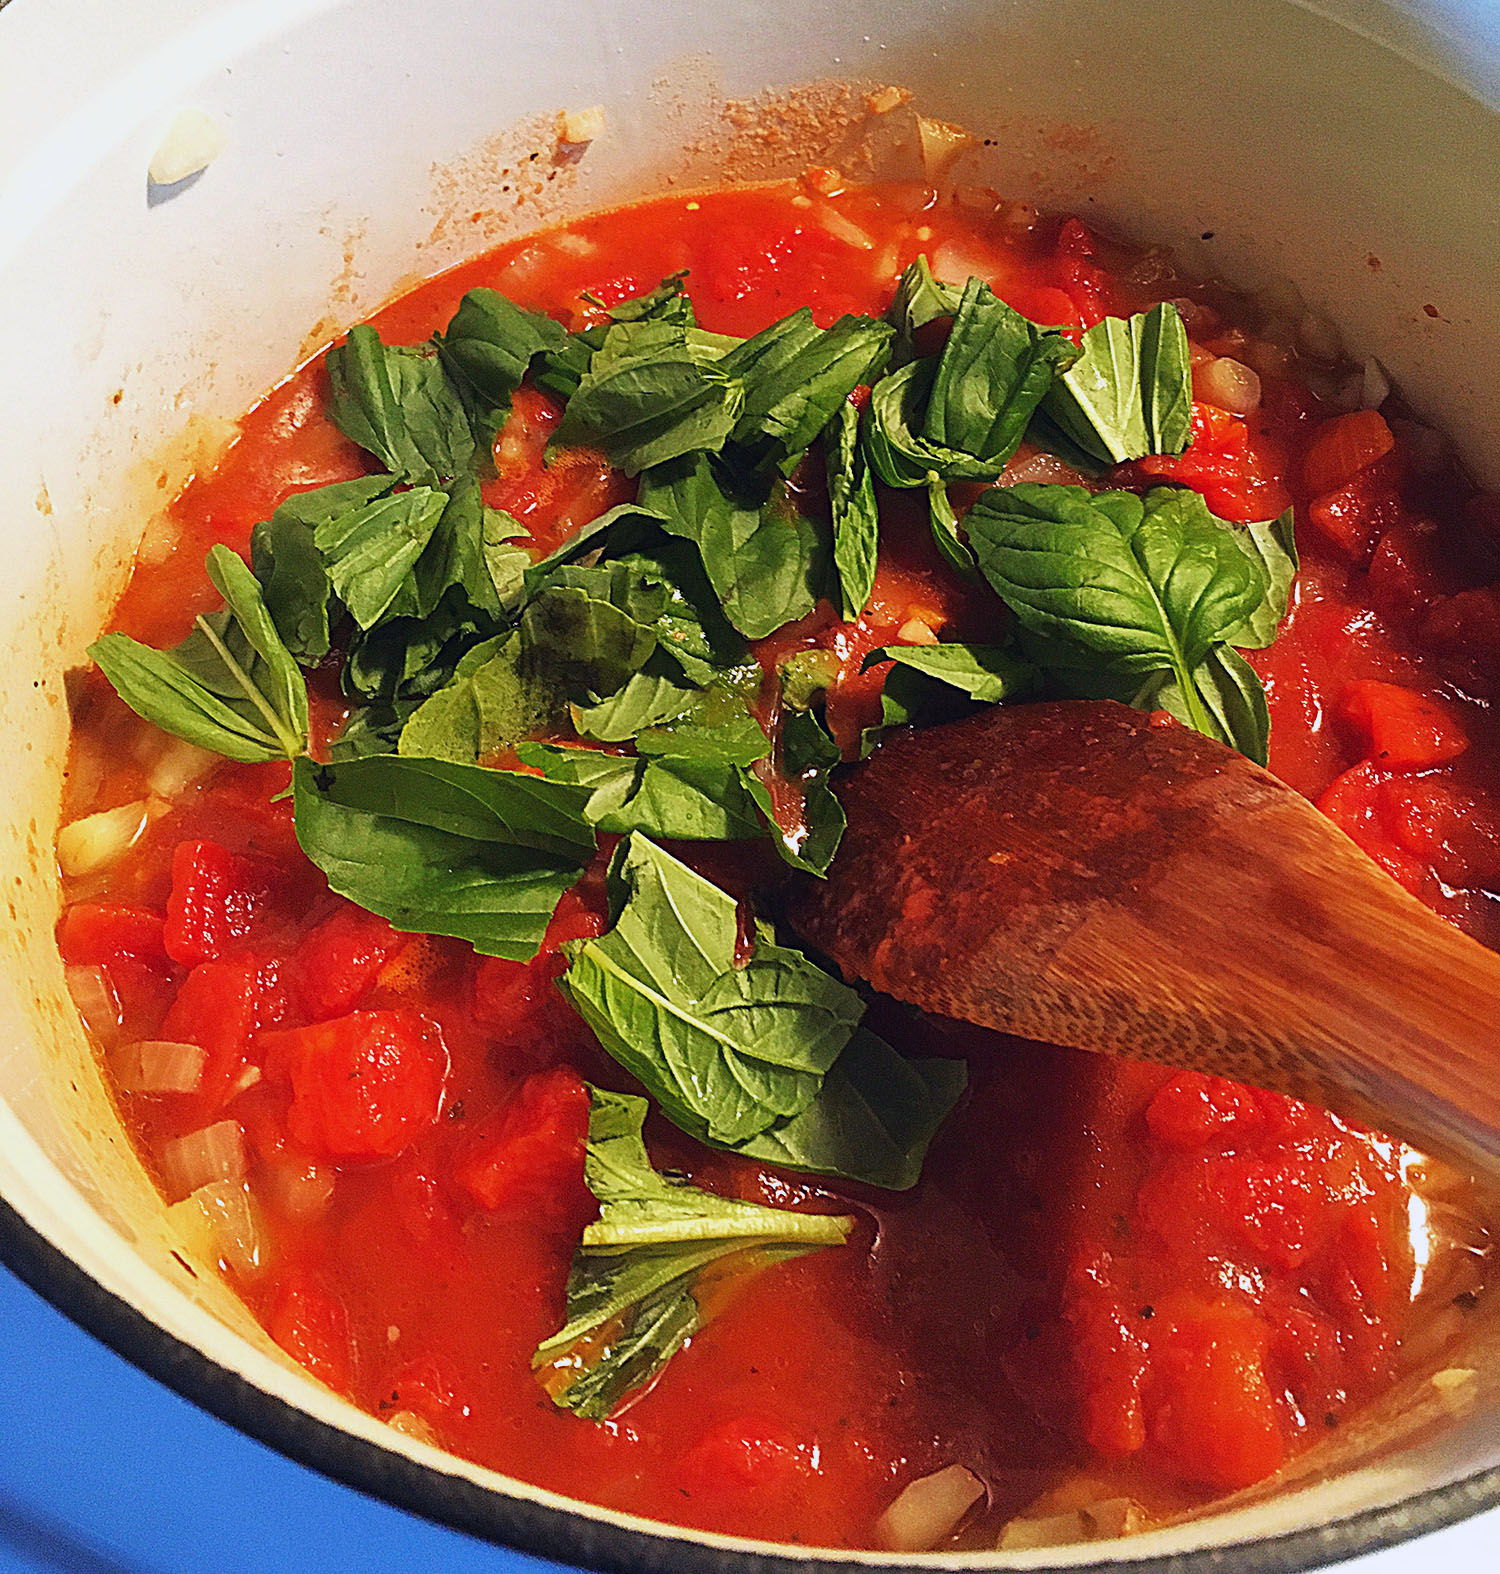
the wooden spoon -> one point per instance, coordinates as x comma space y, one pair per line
1075, 873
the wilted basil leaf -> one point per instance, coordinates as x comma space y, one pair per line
633, 1274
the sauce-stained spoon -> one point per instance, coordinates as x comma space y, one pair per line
1074, 873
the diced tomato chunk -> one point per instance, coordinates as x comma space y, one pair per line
93, 932
1464, 629
746, 1455
1213, 1412
1353, 803
1398, 728
221, 1006
1407, 573
530, 1152
216, 897
339, 960
313, 1328
364, 1086
1344, 446
1195, 1111
1454, 831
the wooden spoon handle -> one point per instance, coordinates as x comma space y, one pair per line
1148, 893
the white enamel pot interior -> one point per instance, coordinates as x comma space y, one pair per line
362, 136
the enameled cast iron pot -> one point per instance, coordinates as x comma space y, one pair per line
363, 136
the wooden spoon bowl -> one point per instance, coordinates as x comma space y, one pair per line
1080, 874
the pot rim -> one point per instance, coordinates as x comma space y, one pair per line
589, 1543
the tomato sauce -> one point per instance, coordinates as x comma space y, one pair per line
1111, 1280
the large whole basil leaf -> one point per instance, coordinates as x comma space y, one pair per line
726, 1049
901, 454
395, 402
487, 350
919, 300
993, 373
492, 700
400, 839
634, 1272
648, 397
1147, 584
856, 518
765, 561
1270, 542
688, 798
368, 552
231, 686
872, 1120
796, 375
1130, 393
1229, 692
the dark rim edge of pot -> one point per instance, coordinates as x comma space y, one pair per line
558, 1534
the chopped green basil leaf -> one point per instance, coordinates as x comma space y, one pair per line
487, 350
919, 300
985, 673
796, 375
647, 398
1271, 544
369, 551
901, 454
690, 798
492, 700
993, 373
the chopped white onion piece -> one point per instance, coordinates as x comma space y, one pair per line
219, 1219
1101, 1521
178, 766
99, 840
915, 632
1375, 387
159, 1065
97, 1003
193, 141
216, 1153
929, 1510
1319, 338
941, 144
1051, 1530
1227, 385
845, 229
884, 99
409, 1424
299, 1187
1043, 467
583, 125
